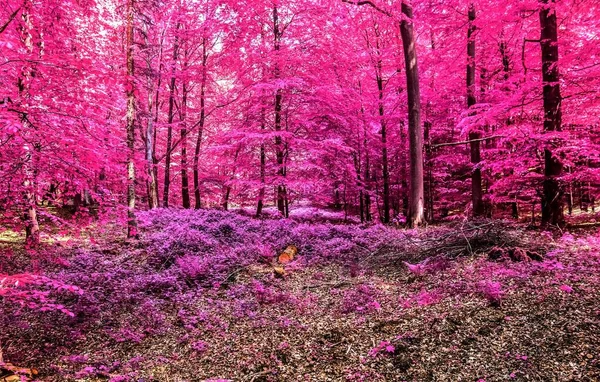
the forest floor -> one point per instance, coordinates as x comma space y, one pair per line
201, 297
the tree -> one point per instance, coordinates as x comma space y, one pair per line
476, 192
171, 115
416, 213
552, 199
130, 88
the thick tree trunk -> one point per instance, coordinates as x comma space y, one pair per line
476, 189
131, 220
552, 199
416, 215
167, 183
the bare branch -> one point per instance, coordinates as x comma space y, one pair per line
464, 142
10, 18
370, 4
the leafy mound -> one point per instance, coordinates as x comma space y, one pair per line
356, 304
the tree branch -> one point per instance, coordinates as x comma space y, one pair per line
370, 4
464, 142
10, 18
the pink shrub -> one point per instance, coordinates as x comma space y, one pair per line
361, 299
491, 291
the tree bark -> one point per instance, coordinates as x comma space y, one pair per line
384, 149
170, 122
263, 163
32, 228
151, 183
226, 194
185, 188
367, 194
552, 199
198, 200
475, 145
281, 188
429, 211
131, 220
416, 215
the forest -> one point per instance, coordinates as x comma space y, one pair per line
299, 190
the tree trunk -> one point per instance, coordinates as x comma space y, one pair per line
170, 122
384, 149
552, 199
416, 215
281, 188
226, 194
185, 188
506, 70
476, 191
156, 110
198, 201
367, 194
263, 163
429, 200
151, 183
32, 228
131, 220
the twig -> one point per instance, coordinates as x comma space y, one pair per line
254, 376
332, 284
463, 142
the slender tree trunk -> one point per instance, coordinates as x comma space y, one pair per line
131, 220
405, 172
198, 200
361, 203
32, 228
167, 183
384, 149
156, 110
515, 209
552, 200
476, 190
429, 168
281, 188
506, 70
151, 183
185, 188
416, 215
226, 194
263, 163
367, 179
